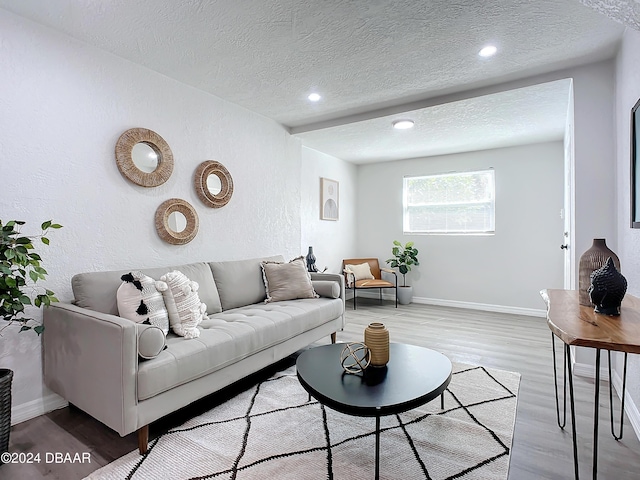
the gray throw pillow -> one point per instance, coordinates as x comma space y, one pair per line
287, 281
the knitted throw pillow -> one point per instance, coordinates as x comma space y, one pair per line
186, 311
139, 301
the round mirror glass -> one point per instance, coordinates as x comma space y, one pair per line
214, 185
144, 157
177, 221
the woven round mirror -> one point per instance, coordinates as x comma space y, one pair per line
176, 221
213, 184
143, 157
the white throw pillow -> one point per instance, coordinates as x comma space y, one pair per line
186, 311
287, 281
360, 272
139, 301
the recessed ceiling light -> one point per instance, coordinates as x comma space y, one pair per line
403, 124
314, 97
488, 51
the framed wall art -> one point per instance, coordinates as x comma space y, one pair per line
329, 199
635, 168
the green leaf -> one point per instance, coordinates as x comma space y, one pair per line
24, 327
396, 242
24, 299
39, 329
409, 245
9, 254
38, 301
33, 275
10, 282
56, 225
23, 241
46, 224
45, 240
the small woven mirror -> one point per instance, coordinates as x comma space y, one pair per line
143, 157
213, 184
176, 221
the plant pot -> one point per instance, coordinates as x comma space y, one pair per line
405, 295
6, 376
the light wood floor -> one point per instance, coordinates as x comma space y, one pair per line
509, 342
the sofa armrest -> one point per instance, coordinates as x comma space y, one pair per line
336, 278
91, 360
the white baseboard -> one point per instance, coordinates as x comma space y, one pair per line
529, 312
630, 408
35, 408
587, 370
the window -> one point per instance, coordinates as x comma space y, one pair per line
454, 203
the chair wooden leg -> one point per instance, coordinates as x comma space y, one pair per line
143, 439
333, 337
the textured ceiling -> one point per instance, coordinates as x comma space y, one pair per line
626, 12
362, 56
526, 115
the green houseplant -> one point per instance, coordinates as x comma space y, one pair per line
404, 256
20, 269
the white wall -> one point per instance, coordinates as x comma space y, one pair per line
594, 149
331, 240
64, 104
505, 269
628, 246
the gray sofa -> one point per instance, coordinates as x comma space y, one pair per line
92, 357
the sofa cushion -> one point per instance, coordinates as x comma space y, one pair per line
139, 300
326, 288
287, 281
240, 282
227, 337
186, 311
97, 290
151, 341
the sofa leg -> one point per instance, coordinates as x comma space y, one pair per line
333, 337
143, 439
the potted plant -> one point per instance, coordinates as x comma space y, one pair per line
403, 258
20, 269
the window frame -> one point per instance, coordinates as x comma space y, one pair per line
492, 202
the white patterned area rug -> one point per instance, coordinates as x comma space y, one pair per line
273, 431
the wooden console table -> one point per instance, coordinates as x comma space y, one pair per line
578, 325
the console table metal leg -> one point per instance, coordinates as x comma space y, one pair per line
555, 384
377, 477
595, 416
624, 387
442, 401
567, 353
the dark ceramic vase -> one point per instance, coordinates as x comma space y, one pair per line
311, 261
590, 261
607, 289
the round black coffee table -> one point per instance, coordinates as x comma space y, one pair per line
414, 376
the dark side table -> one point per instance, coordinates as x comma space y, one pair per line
414, 376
